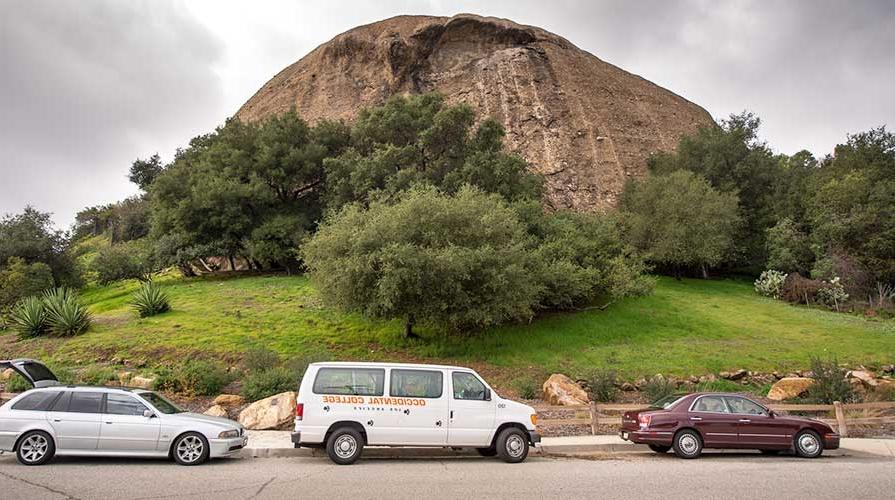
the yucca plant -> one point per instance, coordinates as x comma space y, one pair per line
150, 300
29, 317
66, 316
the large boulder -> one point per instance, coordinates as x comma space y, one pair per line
562, 391
269, 413
142, 382
789, 387
217, 411
7, 374
865, 377
229, 400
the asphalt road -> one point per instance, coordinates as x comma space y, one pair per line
728, 476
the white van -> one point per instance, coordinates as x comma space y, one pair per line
343, 407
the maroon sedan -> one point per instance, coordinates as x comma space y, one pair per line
688, 423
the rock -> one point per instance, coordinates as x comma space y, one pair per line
124, 378
229, 400
724, 375
628, 387
217, 411
864, 376
640, 384
269, 413
693, 379
885, 384
561, 390
142, 382
889, 369
806, 374
789, 387
7, 374
857, 386
583, 123
776, 375
738, 375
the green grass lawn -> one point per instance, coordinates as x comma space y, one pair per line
686, 327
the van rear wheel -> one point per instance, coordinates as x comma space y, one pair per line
345, 445
512, 445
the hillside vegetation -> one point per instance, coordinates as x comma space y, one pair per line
686, 327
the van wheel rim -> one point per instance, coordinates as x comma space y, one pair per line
515, 446
345, 446
808, 443
190, 449
688, 444
34, 448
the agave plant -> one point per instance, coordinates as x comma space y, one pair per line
150, 300
29, 317
66, 316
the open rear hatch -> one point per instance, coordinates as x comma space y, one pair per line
33, 371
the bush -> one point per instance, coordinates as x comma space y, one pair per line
150, 300
197, 377
830, 383
260, 358
603, 386
527, 388
121, 261
19, 280
770, 283
797, 289
658, 387
17, 383
66, 316
97, 375
29, 318
260, 384
832, 294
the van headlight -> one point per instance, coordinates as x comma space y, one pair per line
229, 434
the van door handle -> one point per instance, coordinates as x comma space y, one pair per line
452, 414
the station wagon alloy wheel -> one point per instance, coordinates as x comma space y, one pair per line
35, 448
191, 449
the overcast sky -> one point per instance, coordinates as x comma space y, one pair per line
88, 86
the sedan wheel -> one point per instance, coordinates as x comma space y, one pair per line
808, 444
687, 444
191, 449
35, 448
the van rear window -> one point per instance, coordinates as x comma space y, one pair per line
350, 381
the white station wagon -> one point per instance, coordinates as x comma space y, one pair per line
343, 407
53, 419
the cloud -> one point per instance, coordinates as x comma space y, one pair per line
88, 87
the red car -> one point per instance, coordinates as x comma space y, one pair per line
688, 423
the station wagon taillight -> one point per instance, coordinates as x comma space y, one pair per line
644, 420
299, 411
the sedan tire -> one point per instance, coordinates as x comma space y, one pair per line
190, 449
659, 448
687, 444
808, 444
345, 445
35, 448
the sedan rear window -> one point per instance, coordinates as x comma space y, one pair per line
36, 401
350, 381
667, 401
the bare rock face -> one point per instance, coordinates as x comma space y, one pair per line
560, 390
584, 124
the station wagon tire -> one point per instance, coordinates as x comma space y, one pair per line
687, 444
808, 444
659, 448
512, 445
190, 449
345, 445
487, 452
35, 448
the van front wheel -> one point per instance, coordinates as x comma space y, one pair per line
345, 445
512, 445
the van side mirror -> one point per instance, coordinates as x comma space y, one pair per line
487, 394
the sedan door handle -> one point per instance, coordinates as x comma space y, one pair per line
745, 421
696, 418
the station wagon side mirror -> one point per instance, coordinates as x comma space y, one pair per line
148, 414
487, 394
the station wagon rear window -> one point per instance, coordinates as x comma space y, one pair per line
36, 401
350, 381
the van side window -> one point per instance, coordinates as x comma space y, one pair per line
416, 384
36, 401
350, 381
468, 386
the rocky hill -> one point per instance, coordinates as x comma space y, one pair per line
583, 123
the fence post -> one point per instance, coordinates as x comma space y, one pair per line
593, 418
840, 419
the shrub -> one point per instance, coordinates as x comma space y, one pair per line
830, 383
96, 375
527, 388
121, 261
17, 383
260, 358
197, 377
260, 384
603, 386
150, 300
770, 283
797, 289
658, 387
29, 318
832, 293
66, 316
19, 280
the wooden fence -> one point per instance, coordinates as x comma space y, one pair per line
595, 414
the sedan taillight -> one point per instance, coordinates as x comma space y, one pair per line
644, 420
299, 411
